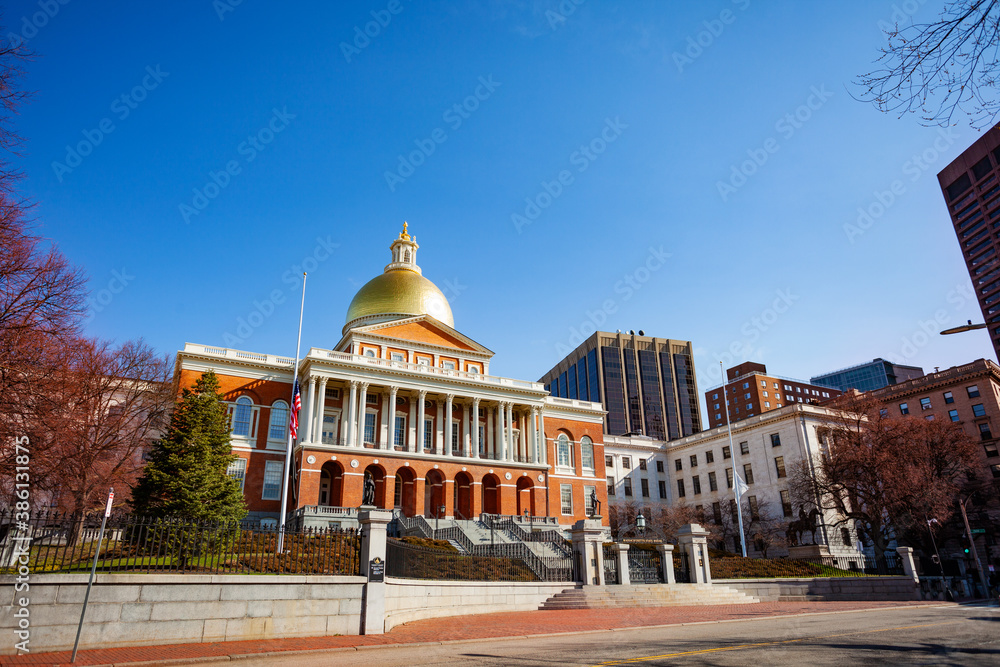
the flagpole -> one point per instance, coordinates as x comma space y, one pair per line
288, 449
736, 476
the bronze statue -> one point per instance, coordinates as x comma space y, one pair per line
368, 497
805, 523
595, 504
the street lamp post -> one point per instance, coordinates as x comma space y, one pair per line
972, 543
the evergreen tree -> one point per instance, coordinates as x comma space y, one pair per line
186, 473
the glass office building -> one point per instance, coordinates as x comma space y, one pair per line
868, 377
646, 384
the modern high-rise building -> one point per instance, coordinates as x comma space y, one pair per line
646, 384
971, 190
751, 391
873, 375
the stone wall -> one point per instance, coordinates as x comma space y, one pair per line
143, 609
826, 588
414, 599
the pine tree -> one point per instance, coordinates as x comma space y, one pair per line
186, 473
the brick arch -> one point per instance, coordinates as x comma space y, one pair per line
378, 473
525, 495
491, 494
331, 484
406, 481
435, 485
464, 488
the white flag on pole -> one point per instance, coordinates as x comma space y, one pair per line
741, 486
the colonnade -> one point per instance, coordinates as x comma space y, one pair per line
504, 430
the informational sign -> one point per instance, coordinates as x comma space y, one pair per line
376, 569
978, 531
111, 499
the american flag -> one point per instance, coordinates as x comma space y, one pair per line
293, 424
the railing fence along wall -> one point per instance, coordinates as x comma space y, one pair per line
500, 562
61, 542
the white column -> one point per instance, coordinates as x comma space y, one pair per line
349, 418
466, 433
533, 428
475, 428
501, 439
362, 410
383, 429
308, 421
422, 397
448, 426
320, 409
413, 431
522, 437
510, 432
391, 442
544, 445
439, 428
490, 435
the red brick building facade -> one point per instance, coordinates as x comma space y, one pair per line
407, 399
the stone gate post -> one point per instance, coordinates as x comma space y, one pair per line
694, 541
623, 576
588, 551
373, 529
667, 562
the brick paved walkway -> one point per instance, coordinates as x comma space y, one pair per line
462, 628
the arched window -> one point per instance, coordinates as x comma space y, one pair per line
278, 426
242, 416
370, 352
587, 453
406, 256
564, 451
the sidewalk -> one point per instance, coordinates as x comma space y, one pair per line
459, 628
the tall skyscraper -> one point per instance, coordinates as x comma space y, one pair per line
971, 189
646, 384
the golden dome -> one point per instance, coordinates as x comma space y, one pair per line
401, 291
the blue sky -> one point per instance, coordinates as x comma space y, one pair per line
689, 169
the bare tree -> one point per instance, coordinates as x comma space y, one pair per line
882, 475
935, 69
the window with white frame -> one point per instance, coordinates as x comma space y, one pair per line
428, 433
277, 426
370, 426
272, 480
564, 451
587, 453
588, 499
243, 413
399, 437
566, 499
448, 365
455, 436
397, 356
238, 471
330, 422
370, 353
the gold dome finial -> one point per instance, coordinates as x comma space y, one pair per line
404, 235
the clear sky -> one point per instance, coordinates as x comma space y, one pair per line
694, 170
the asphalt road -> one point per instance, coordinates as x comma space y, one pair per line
967, 635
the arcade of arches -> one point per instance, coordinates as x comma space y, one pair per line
424, 489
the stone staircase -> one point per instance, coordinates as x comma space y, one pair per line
652, 595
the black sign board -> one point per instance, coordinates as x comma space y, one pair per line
376, 569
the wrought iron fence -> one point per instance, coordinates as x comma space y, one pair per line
773, 568
644, 566
67, 543
413, 561
611, 564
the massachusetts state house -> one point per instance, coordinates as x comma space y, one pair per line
408, 399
